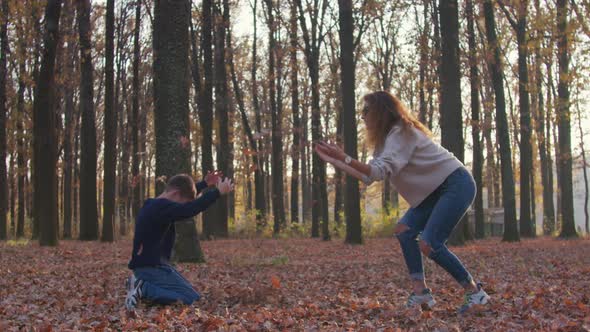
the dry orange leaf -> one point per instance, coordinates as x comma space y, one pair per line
275, 281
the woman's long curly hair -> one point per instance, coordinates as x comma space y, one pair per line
387, 111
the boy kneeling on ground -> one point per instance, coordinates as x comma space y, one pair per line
153, 277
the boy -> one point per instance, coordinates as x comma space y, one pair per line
153, 277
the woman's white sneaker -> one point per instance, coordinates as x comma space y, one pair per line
474, 299
425, 300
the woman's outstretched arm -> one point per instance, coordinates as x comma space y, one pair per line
355, 168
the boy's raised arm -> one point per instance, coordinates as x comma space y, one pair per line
201, 186
181, 211
210, 179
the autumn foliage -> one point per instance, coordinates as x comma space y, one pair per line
297, 284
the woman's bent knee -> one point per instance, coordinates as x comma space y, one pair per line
400, 228
425, 248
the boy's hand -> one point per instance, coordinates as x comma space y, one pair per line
225, 186
213, 177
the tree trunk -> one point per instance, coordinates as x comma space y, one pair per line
550, 106
423, 45
313, 42
526, 153
3, 116
584, 169
451, 106
124, 143
495, 68
171, 116
76, 180
276, 118
135, 121
548, 208
44, 135
247, 128
121, 127
336, 89
266, 157
88, 173
297, 132
305, 187
338, 175
68, 122
13, 194
219, 228
143, 159
352, 210
206, 108
196, 75
259, 177
564, 118
110, 130
475, 123
555, 124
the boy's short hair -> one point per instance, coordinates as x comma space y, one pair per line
183, 183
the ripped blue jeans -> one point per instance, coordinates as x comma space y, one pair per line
433, 221
162, 284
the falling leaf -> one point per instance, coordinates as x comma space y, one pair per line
276, 282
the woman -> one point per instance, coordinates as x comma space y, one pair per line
436, 185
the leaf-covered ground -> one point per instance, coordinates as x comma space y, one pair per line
297, 284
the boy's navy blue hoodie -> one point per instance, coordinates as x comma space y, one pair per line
154, 228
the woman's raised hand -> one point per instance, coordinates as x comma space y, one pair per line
323, 156
225, 186
331, 150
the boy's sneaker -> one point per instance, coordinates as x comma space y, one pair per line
133, 286
425, 300
474, 299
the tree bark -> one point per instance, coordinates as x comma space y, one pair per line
110, 130
219, 228
44, 135
135, 121
549, 123
526, 154
68, 136
124, 142
88, 172
295, 151
495, 68
206, 107
584, 168
276, 118
259, 177
476, 124
313, 41
423, 45
171, 116
564, 122
305, 187
347, 71
548, 208
3, 116
451, 106
13, 194
76, 180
